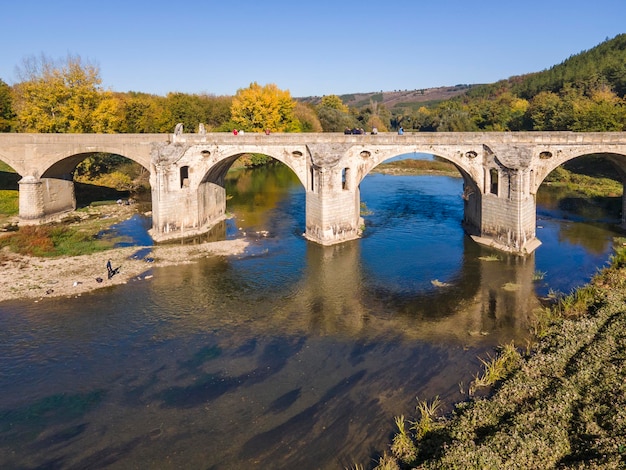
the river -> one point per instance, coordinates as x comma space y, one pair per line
292, 355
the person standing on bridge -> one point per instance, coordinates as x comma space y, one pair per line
235, 132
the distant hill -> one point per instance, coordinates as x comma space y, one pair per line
604, 63
398, 98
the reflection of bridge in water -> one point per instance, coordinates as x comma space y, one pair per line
501, 174
486, 302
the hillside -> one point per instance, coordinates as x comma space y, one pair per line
397, 98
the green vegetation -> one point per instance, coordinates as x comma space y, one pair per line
418, 167
9, 195
560, 405
52, 241
586, 92
590, 175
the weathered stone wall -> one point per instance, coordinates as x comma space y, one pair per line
186, 174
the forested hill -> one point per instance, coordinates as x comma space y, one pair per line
586, 92
604, 65
392, 99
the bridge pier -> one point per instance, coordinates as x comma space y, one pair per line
508, 208
44, 199
181, 206
332, 198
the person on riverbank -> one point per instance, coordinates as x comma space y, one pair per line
110, 270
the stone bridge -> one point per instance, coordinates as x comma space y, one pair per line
501, 174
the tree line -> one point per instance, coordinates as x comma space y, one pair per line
66, 96
586, 92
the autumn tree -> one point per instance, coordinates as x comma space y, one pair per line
333, 102
258, 108
601, 111
57, 97
307, 117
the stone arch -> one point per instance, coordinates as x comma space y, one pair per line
53, 193
472, 194
219, 160
199, 203
547, 160
14, 163
465, 161
62, 167
550, 162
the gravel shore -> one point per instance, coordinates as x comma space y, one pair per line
25, 277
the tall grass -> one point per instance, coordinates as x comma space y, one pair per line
497, 368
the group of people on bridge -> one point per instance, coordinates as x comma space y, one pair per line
359, 130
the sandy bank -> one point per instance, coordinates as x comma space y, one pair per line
25, 277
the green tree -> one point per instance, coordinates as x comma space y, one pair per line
602, 111
454, 117
334, 115
143, 113
543, 111
7, 115
258, 108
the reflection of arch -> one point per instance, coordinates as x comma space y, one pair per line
216, 171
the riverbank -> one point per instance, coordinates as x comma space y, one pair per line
28, 277
36, 277
564, 406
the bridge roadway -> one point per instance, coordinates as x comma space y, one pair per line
501, 174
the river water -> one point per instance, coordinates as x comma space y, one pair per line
291, 355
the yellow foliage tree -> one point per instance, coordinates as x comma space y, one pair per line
333, 102
258, 108
57, 97
108, 117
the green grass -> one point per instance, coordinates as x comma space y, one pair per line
562, 405
418, 167
9, 202
585, 185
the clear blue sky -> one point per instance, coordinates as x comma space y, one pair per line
309, 47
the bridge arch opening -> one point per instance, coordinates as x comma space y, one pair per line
428, 173
94, 178
586, 187
9, 196
250, 190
